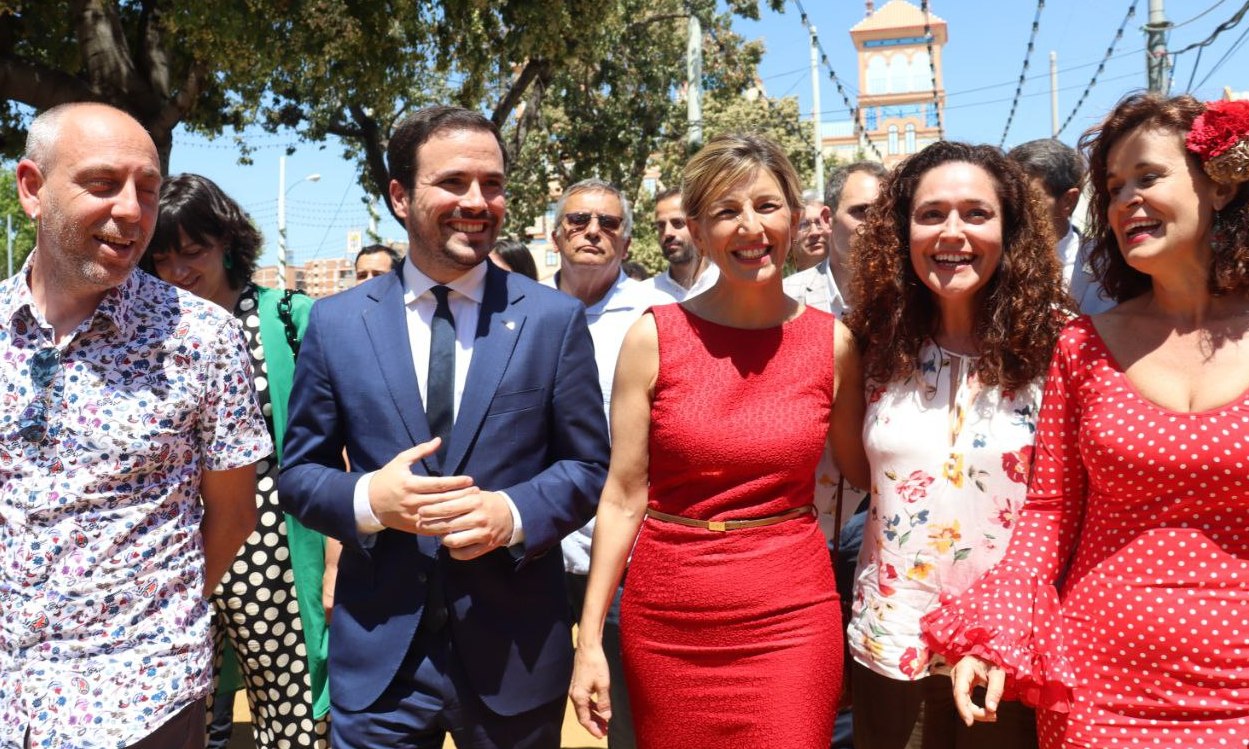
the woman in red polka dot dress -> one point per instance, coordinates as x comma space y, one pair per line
1121, 609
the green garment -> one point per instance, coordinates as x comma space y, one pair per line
307, 547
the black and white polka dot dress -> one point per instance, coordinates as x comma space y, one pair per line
256, 610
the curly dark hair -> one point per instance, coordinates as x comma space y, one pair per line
1229, 271
200, 208
1021, 307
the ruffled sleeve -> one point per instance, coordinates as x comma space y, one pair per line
1012, 616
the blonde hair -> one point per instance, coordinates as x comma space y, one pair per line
727, 161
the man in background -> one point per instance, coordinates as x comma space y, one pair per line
376, 260
1056, 173
849, 192
593, 229
689, 273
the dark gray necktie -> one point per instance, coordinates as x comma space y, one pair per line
440, 399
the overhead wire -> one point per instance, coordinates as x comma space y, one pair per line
1175, 26
859, 130
1231, 51
1101, 66
1023, 74
1201, 45
1230, 23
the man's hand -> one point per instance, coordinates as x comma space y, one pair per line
396, 495
471, 524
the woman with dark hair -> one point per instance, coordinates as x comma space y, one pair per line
268, 607
957, 305
512, 255
1120, 608
720, 411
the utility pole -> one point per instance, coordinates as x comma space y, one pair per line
1054, 93
815, 113
1156, 48
694, 83
8, 233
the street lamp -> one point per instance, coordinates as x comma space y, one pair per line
283, 190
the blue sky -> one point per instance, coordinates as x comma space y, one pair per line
982, 64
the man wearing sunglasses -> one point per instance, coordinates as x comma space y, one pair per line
593, 228
129, 431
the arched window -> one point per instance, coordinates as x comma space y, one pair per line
910, 138
921, 75
893, 139
899, 74
877, 75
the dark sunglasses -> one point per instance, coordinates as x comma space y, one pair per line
32, 425
581, 219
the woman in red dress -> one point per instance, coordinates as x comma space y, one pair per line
1121, 609
721, 408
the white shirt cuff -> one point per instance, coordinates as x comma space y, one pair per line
366, 522
518, 530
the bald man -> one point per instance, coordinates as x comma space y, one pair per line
129, 436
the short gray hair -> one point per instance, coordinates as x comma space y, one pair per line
45, 129
596, 185
42, 133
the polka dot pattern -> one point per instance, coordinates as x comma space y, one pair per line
1138, 515
256, 609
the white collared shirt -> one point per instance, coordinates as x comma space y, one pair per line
465, 300
609, 320
1068, 249
664, 283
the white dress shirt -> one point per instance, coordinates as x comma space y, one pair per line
609, 320
663, 283
419, 303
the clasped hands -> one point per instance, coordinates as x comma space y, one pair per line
470, 520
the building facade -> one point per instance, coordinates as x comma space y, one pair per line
901, 90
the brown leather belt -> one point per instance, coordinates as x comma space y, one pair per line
720, 526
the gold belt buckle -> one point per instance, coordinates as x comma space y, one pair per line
717, 525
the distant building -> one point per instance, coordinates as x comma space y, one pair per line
318, 278
898, 111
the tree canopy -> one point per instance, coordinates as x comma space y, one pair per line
580, 87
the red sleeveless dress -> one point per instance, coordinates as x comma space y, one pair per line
734, 638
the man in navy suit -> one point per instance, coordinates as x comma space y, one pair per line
468, 403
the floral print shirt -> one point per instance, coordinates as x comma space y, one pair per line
950, 463
103, 622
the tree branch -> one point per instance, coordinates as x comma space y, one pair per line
516, 92
39, 86
373, 144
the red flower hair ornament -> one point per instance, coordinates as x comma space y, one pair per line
1220, 138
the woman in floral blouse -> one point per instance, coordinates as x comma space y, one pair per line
958, 305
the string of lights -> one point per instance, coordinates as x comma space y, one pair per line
859, 131
1023, 74
1101, 66
932, 69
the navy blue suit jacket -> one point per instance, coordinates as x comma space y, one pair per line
530, 423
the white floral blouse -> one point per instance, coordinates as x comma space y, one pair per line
950, 463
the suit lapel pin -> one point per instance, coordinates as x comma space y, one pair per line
509, 324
